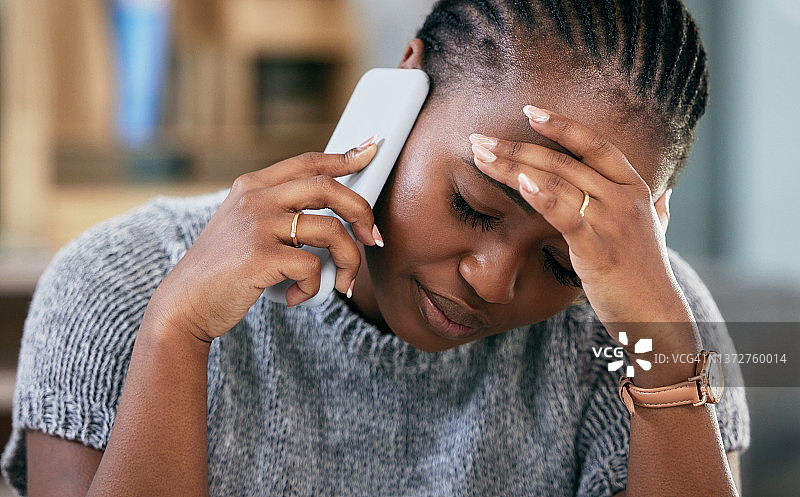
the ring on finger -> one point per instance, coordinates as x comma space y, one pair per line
585, 204
293, 234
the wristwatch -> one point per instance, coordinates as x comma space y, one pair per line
704, 388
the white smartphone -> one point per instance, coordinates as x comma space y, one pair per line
386, 102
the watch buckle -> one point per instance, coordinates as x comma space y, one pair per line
702, 401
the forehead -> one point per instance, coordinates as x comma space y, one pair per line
604, 108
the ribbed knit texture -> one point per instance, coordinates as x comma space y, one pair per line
320, 402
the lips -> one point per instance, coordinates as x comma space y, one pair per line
448, 317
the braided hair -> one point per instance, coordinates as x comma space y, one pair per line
654, 44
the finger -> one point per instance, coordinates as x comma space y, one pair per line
559, 203
326, 232
310, 164
509, 159
304, 268
588, 146
320, 192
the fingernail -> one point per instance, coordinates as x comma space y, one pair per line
377, 235
484, 141
368, 143
536, 114
482, 154
669, 195
526, 184
350, 290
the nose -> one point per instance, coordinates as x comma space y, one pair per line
492, 273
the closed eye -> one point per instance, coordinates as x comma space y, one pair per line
564, 276
470, 216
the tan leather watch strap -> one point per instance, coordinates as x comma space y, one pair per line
668, 396
705, 387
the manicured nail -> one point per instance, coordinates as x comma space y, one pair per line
536, 114
526, 184
350, 290
482, 154
368, 143
669, 195
484, 141
377, 235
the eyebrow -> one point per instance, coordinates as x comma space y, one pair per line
510, 192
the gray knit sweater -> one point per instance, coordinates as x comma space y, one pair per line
319, 402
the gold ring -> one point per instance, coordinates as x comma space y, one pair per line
585, 204
293, 234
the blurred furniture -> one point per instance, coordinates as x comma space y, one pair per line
252, 82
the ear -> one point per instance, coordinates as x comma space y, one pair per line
662, 209
412, 57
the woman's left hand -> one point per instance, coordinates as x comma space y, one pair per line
616, 240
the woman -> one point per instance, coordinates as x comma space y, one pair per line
431, 378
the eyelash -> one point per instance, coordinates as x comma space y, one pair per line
473, 218
470, 216
563, 275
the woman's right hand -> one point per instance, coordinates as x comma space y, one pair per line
246, 246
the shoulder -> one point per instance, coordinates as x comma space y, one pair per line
83, 318
155, 234
90, 299
118, 260
186, 216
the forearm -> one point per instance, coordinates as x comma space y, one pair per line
158, 445
676, 450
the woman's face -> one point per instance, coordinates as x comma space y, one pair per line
458, 247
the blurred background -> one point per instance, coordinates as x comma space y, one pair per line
104, 104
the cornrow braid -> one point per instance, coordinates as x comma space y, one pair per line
587, 22
491, 12
654, 43
523, 11
631, 17
673, 46
555, 9
457, 32
608, 11
652, 30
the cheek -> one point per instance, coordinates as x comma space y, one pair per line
413, 214
540, 296
538, 293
